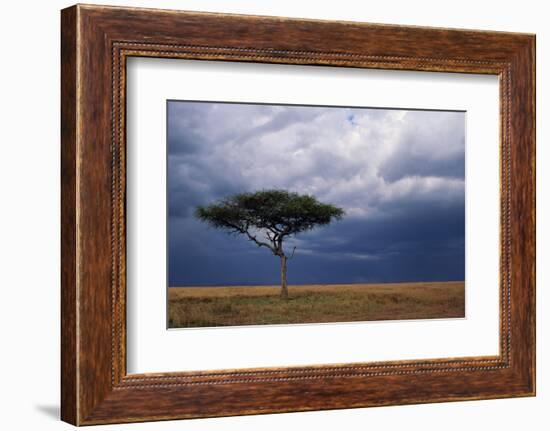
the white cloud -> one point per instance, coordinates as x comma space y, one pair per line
356, 158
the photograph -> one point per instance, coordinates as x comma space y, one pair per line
294, 214
283, 212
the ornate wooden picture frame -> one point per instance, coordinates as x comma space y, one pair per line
96, 41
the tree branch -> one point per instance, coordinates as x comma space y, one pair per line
259, 243
273, 229
244, 230
292, 255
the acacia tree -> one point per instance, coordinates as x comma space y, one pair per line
268, 218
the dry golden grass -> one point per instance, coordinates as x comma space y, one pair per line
315, 303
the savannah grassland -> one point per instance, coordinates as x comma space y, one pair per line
258, 305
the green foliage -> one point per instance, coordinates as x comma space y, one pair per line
274, 214
281, 213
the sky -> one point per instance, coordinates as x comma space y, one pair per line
398, 174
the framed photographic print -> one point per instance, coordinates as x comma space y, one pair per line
265, 215
283, 164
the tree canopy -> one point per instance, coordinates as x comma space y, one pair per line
267, 217
278, 213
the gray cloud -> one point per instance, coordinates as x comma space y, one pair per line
398, 174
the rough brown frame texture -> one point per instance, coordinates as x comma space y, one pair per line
95, 42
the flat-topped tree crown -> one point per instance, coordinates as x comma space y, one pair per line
267, 217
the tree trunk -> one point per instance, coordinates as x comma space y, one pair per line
284, 288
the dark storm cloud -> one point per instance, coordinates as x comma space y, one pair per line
399, 175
